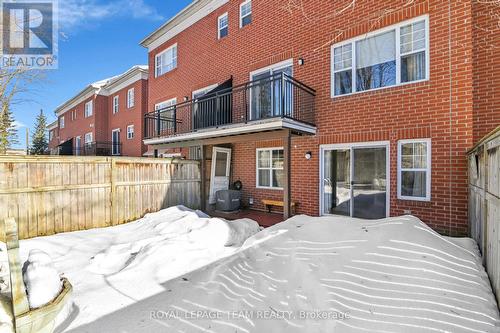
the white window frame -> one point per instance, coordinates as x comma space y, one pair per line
116, 104
219, 28
397, 28
87, 140
158, 56
89, 109
131, 98
61, 122
51, 135
242, 17
270, 187
129, 127
171, 102
428, 169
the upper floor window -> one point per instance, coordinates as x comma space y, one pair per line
245, 13
131, 98
223, 26
51, 135
73, 115
88, 109
414, 169
61, 122
116, 104
388, 57
166, 61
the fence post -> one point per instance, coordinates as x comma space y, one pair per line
112, 191
20, 303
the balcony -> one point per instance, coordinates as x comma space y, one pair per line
96, 148
272, 103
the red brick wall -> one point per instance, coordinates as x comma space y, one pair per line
80, 125
55, 138
440, 108
486, 67
128, 116
103, 121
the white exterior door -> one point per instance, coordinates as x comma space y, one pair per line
221, 167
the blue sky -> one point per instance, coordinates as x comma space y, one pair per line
97, 39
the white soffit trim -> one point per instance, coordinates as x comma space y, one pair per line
252, 127
193, 13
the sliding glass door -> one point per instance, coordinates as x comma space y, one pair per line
355, 181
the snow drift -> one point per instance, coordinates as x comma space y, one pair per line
327, 274
114, 267
174, 271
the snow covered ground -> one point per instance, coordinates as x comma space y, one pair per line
303, 275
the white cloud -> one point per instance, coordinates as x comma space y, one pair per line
18, 124
76, 13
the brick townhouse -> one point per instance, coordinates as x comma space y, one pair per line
363, 109
105, 118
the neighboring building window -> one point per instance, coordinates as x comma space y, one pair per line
396, 55
130, 98
88, 109
78, 145
245, 13
130, 132
167, 113
270, 168
51, 135
116, 104
61, 122
88, 138
223, 26
414, 169
166, 60
73, 115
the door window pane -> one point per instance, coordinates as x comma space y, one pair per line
221, 164
370, 183
337, 182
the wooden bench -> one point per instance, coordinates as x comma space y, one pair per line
270, 203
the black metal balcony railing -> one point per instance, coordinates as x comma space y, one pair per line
100, 148
277, 96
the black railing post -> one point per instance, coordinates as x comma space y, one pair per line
175, 119
283, 91
158, 124
217, 109
246, 102
192, 117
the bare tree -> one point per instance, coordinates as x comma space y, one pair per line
15, 84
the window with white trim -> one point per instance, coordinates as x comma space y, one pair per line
88, 109
222, 26
116, 104
61, 122
51, 135
414, 169
167, 113
270, 162
131, 98
88, 139
130, 132
73, 115
245, 13
166, 61
391, 56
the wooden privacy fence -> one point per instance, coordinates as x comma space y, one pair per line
484, 203
48, 195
